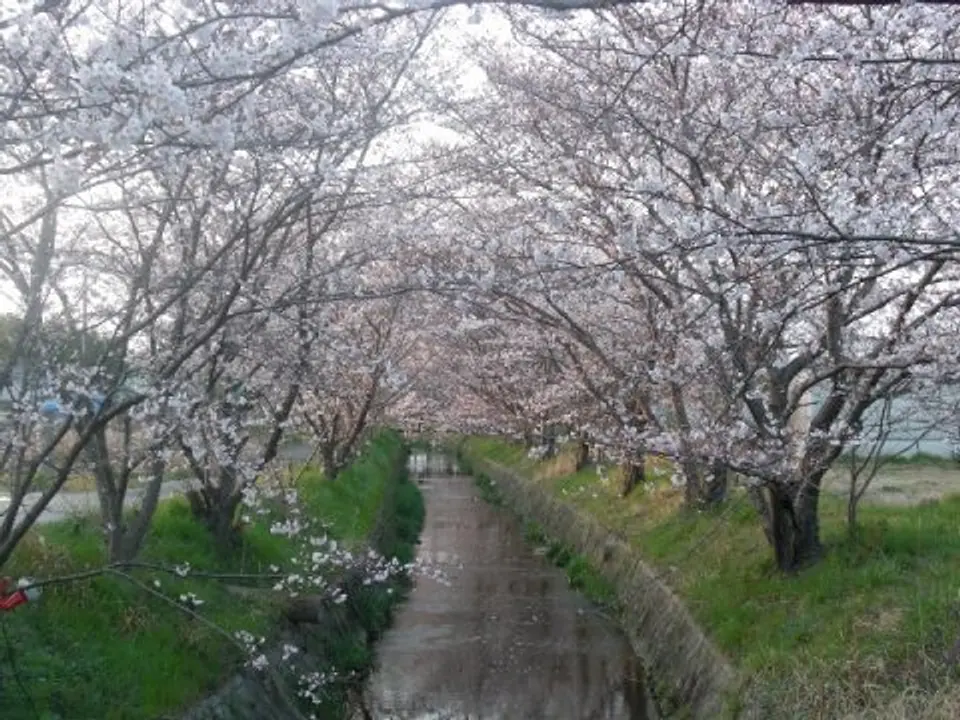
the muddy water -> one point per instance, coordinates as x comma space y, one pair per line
507, 639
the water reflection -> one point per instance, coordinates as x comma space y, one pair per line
508, 638
432, 464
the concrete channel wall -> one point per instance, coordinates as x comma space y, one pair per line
663, 633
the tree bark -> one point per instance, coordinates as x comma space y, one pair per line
634, 473
691, 482
135, 532
852, 519
222, 525
794, 524
714, 490
582, 455
328, 460
216, 507
705, 485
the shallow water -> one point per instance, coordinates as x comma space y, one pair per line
508, 638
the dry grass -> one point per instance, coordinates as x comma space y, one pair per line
803, 695
562, 464
915, 704
77, 482
901, 483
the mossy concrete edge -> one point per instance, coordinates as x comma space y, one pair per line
660, 628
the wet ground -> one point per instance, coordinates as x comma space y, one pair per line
507, 639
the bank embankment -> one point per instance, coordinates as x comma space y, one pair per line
691, 674
871, 631
154, 644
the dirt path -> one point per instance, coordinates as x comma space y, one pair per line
67, 504
74, 504
901, 484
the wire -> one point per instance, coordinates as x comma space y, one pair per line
12, 659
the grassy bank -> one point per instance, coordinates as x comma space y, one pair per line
393, 527
582, 575
111, 647
865, 633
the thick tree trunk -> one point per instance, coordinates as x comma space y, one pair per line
794, 524
328, 460
549, 441
528, 439
223, 526
216, 507
691, 483
634, 473
582, 455
115, 544
714, 490
705, 485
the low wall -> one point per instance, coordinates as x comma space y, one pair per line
660, 628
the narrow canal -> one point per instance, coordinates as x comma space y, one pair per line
507, 639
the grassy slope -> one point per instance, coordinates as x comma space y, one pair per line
390, 516
104, 649
866, 627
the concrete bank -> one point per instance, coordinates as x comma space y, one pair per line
664, 635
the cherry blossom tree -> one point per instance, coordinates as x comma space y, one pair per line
165, 186
671, 228
669, 202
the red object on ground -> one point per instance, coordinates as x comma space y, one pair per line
8, 600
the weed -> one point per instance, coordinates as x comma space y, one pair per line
488, 489
533, 533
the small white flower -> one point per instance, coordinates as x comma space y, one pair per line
191, 600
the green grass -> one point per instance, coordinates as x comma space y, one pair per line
105, 649
408, 512
485, 484
349, 641
350, 502
581, 574
489, 490
879, 611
